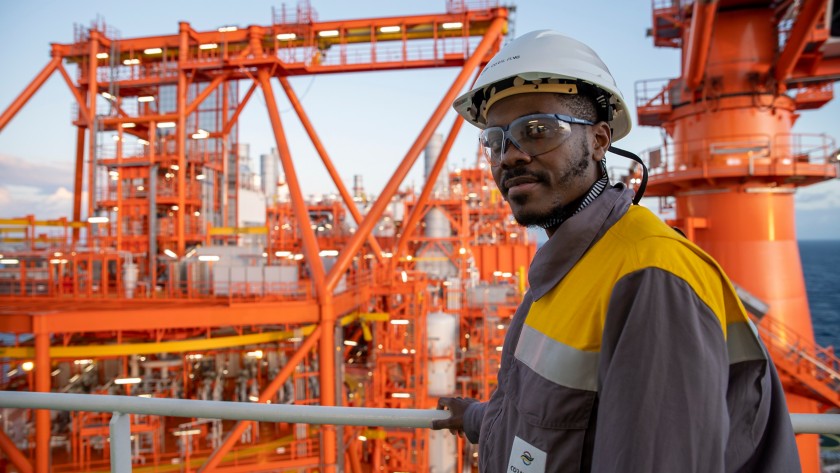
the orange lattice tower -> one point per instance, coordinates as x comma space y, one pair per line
732, 164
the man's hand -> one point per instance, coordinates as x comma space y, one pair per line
457, 406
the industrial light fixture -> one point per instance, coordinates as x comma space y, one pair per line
27, 366
200, 177
170, 253
389, 29
351, 343
127, 381
128, 125
152, 51
401, 395
328, 33
452, 26
166, 125
206, 46
286, 36
328, 253
146, 98
107, 95
208, 258
200, 134
227, 29
143, 142
179, 433
282, 254
399, 322
254, 354
131, 62
97, 219
101, 55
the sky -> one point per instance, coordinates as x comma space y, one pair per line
367, 121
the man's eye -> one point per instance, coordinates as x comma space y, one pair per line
495, 145
536, 131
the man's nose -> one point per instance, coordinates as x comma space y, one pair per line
512, 155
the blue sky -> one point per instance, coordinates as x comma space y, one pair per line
367, 121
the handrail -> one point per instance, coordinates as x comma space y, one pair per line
122, 406
357, 416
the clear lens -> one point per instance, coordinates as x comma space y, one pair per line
532, 134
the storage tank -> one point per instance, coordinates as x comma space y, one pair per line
442, 341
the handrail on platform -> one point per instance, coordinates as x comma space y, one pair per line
123, 406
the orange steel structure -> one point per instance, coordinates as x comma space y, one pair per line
730, 164
133, 286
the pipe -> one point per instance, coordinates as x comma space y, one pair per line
216, 457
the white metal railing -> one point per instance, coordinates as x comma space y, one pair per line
123, 406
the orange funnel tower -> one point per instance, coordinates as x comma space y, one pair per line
731, 165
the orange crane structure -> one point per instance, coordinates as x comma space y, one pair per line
730, 164
149, 290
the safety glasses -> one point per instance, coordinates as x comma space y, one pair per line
532, 134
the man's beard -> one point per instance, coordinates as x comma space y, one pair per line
558, 212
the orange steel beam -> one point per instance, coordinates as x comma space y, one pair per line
79, 99
233, 118
798, 37
92, 91
326, 364
78, 180
699, 40
490, 39
14, 455
42, 416
173, 317
310, 243
30, 90
319, 147
184, 29
234, 434
418, 209
206, 93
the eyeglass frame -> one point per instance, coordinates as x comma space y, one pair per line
506, 136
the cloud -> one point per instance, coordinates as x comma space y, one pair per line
45, 176
22, 200
823, 196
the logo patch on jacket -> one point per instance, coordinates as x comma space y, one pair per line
525, 458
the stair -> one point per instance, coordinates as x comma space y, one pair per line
815, 367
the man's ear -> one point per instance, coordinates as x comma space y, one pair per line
601, 139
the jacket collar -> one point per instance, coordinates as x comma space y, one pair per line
571, 240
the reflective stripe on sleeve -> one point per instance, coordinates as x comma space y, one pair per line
557, 362
742, 343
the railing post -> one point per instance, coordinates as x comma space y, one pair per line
120, 427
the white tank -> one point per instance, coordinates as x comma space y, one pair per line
129, 279
443, 452
442, 342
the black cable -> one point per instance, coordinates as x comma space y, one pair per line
627, 154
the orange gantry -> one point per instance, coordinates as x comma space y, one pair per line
151, 287
730, 164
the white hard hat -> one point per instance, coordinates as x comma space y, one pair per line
546, 61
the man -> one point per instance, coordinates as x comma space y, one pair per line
631, 352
